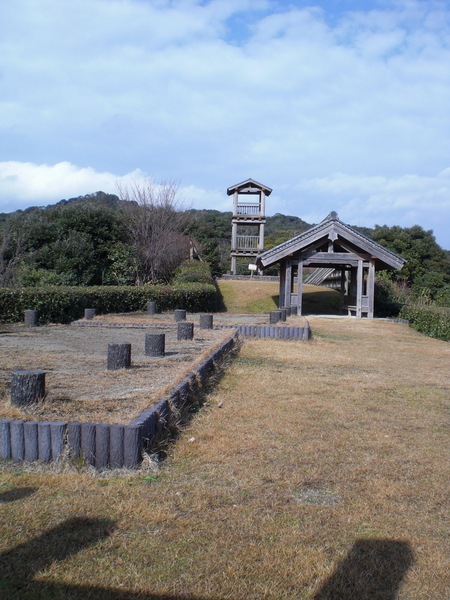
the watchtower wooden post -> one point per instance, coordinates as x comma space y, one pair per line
249, 218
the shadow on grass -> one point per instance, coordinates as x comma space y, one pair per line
276, 300
16, 494
19, 566
324, 302
372, 570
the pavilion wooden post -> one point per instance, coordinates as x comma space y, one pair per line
300, 287
359, 288
371, 288
342, 291
288, 284
283, 299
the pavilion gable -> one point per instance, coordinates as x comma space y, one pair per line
331, 242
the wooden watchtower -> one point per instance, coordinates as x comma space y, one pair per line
249, 218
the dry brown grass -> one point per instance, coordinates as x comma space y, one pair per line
324, 475
79, 388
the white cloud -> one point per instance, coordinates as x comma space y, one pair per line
351, 110
406, 200
25, 183
22, 184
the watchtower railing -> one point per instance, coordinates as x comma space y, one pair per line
247, 242
248, 209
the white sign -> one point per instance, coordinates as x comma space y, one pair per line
252, 267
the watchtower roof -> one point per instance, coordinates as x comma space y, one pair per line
249, 186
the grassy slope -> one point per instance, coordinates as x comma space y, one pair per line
323, 475
262, 296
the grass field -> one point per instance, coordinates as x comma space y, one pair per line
255, 296
316, 471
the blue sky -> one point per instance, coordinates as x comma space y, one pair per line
336, 105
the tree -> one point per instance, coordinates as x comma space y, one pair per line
157, 226
13, 248
428, 264
66, 244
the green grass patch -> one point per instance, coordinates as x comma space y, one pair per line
256, 297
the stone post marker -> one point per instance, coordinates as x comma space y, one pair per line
119, 356
155, 344
31, 317
274, 316
206, 321
179, 314
185, 331
151, 308
27, 386
89, 313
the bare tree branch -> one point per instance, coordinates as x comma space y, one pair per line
13, 249
158, 227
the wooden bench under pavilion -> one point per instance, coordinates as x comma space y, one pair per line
332, 243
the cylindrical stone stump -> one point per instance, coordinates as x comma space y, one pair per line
206, 321
179, 314
27, 386
155, 344
274, 316
119, 356
89, 313
185, 331
151, 307
31, 317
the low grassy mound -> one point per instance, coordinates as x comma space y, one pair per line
252, 296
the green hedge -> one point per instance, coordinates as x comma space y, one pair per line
433, 321
66, 304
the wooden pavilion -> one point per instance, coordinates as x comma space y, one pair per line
332, 243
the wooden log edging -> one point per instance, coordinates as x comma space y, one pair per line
271, 331
256, 331
104, 445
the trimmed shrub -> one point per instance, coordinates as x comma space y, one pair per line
193, 271
65, 304
433, 321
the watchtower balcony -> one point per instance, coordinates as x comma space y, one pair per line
248, 209
248, 242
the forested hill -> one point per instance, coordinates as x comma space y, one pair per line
277, 225
221, 223
93, 239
